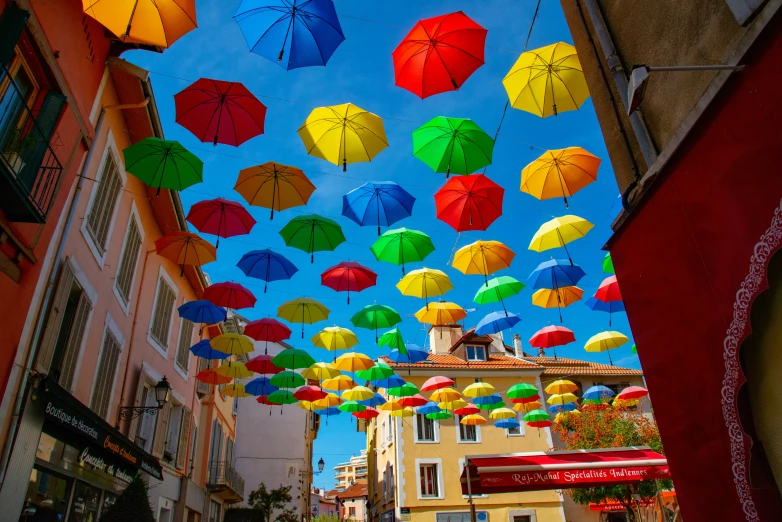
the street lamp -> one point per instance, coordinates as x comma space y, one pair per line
162, 394
321, 465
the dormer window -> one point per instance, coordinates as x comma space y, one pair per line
476, 353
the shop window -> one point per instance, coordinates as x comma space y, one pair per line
85, 502
47, 497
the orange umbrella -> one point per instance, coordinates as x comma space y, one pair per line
153, 22
212, 377
185, 248
274, 186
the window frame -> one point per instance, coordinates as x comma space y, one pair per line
531, 513
436, 429
18, 62
112, 327
182, 323
475, 349
438, 463
163, 351
522, 432
173, 405
133, 216
458, 430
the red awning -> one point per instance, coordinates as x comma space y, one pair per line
544, 470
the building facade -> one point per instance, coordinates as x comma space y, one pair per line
702, 219
348, 473
352, 502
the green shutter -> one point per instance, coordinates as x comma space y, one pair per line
12, 24
49, 114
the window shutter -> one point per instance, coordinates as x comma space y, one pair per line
184, 431
12, 23
161, 429
102, 209
127, 265
104, 378
48, 116
183, 350
134, 424
53, 323
161, 318
73, 345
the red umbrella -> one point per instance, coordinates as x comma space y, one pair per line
220, 112
469, 202
470, 409
348, 276
369, 413
262, 364
309, 393
229, 295
632, 392
413, 401
220, 217
595, 407
267, 330
439, 54
212, 377
525, 399
436, 382
609, 290
263, 399
552, 336
539, 424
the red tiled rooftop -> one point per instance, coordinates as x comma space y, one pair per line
354, 491
499, 362
562, 366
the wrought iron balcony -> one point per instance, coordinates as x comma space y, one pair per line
29, 168
225, 481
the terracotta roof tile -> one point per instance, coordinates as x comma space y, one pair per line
499, 362
560, 366
354, 491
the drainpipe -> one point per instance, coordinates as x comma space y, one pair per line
32, 351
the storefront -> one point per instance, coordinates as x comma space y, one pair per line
81, 462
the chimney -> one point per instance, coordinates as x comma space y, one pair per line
519, 351
441, 338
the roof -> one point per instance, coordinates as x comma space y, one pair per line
355, 491
469, 335
495, 362
562, 366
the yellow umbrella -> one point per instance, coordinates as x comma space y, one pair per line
561, 386
310, 406
473, 420
339, 383
234, 370
235, 390
482, 257
625, 403
604, 341
303, 310
479, 389
404, 412
453, 405
232, 344
527, 406
558, 232
502, 413
547, 81
335, 338
359, 393
153, 22
562, 398
320, 372
440, 313
445, 395
560, 297
561, 415
352, 362
425, 283
343, 134
559, 173
330, 400
392, 405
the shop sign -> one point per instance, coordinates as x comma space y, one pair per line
404, 513
563, 479
101, 465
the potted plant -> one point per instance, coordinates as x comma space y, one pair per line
20, 143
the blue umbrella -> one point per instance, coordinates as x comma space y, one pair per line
394, 381
494, 398
507, 424
304, 32
328, 412
202, 312
412, 356
559, 408
496, 322
377, 400
429, 407
204, 350
266, 265
610, 307
260, 386
383, 203
598, 393
554, 274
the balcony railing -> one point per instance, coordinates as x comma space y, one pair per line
29, 168
223, 478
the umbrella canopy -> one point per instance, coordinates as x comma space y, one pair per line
469, 409
413, 401
392, 339
220, 112
334, 338
309, 393
479, 389
260, 386
455, 145
312, 233
266, 330
597, 393
163, 164
559, 298
353, 362
562, 398
410, 357
328, 412
202, 312
469, 202
287, 379
378, 371
329, 401
441, 313
533, 398
497, 289
445, 395
561, 386
555, 273
404, 412
401, 245
425, 283
320, 372
381, 203
369, 413
229, 295
234, 370
522, 390
608, 264
507, 424
343, 134
559, 232
274, 186
204, 350
560, 408
339, 383
494, 398
472, 420
221, 218
552, 336
235, 390
547, 81
408, 389
605, 341
633, 349
308, 406
293, 359
291, 34
439, 415
263, 364
483, 257
502, 413
352, 407
232, 344
536, 416
436, 383
496, 322
610, 307
559, 173
347, 276
375, 316
281, 397
439, 54
608, 291
211, 376
303, 310
453, 405
429, 407
358, 393
392, 381
632, 392
267, 266
185, 248
392, 405
153, 22
527, 406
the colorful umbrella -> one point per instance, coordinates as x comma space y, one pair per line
559, 173
455, 145
260, 386
274, 186
632, 392
469, 202
425, 283
495, 322
560, 408
353, 362
527, 406
303, 310
392, 381
562, 398
281, 397
439, 415
327, 412
559, 232
293, 359
266, 266
497, 290
329, 401
232, 344
555, 273
229, 295
608, 291
502, 413
494, 398
436, 383
204, 350
334, 338
153, 22
453, 405
234, 370
221, 218
483, 257
469, 409
358, 393
304, 34
339, 383
561, 386
163, 164
220, 112
527, 400
352, 407
439, 54
375, 316
609, 307
479, 389
391, 405
429, 407
438, 314
320, 372
507, 424
404, 412
597, 393
312, 233
309, 393
264, 399
369, 413
262, 364
287, 379
633, 349
536, 416
608, 264
382, 203
410, 357
376, 372
202, 312
406, 390
400, 246
412, 401
235, 390
547, 81
522, 390
185, 248
561, 297
343, 134
472, 420
348, 276
308, 406
266, 330
392, 339
551, 337
605, 341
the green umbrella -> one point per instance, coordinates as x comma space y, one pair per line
408, 389
312, 233
400, 246
455, 145
522, 391
497, 290
293, 359
393, 339
281, 397
490, 407
351, 407
287, 379
163, 164
376, 373
536, 416
439, 415
633, 349
375, 316
608, 264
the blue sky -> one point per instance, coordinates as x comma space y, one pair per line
361, 72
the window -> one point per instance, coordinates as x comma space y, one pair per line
527, 515
214, 511
744, 10
426, 429
383, 431
235, 407
183, 349
128, 261
351, 511
147, 424
161, 317
172, 434
391, 484
104, 377
103, 204
476, 353
522, 518
203, 388
466, 433
428, 480
517, 432
193, 445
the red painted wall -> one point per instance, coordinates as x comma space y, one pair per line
682, 259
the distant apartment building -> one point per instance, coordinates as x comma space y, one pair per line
348, 473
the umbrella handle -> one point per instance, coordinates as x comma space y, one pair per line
344, 164
279, 56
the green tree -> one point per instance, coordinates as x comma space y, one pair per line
269, 501
132, 505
